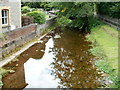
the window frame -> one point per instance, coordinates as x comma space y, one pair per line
5, 17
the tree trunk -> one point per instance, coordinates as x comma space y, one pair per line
85, 28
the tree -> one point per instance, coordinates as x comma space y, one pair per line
78, 12
25, 9
111, 9
45, 5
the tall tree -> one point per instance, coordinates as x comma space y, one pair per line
77, 12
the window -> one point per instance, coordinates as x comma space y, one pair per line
5, 17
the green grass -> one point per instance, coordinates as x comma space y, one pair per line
105, 42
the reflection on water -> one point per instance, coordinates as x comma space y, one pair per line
38, 72
73, 64
64, 63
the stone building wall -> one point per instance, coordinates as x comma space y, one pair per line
14, 14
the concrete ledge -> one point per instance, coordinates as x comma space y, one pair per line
8, 59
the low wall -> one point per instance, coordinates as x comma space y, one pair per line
18, 37
48, 23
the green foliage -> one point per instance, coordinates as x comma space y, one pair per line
2, 73
111, 9
33, 9
77, 12
63, 21
25, 9
106, 49
115, 11
45, 5
94, 22
39, 16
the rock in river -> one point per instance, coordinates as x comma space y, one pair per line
57, 36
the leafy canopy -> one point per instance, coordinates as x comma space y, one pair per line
78, 12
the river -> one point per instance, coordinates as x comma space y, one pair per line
55, 63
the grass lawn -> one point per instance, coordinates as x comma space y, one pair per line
105, 46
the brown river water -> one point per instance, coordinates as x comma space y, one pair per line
55, 63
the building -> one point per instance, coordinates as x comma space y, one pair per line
10, 15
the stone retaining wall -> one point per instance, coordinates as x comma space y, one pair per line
20, 36
48, 23
17, 38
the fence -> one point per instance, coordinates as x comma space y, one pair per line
113, 22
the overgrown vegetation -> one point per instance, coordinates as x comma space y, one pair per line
3, 72
111, 9
63, 21
106, 48
78, 13
39, 16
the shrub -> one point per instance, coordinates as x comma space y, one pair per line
39, 16
25, 9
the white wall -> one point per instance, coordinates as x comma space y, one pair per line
14, 13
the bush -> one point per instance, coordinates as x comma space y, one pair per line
39, 16
25, 9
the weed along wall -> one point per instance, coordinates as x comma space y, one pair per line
15, 39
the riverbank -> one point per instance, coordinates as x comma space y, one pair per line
25, 46
105, 47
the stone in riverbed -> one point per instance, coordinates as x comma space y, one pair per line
11, 71
40, 41
16, 65
57, 36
